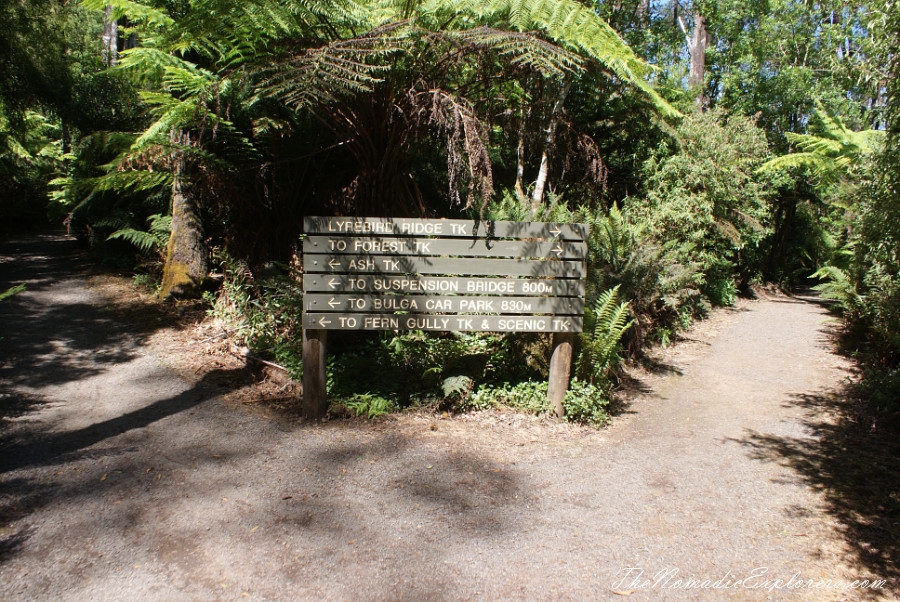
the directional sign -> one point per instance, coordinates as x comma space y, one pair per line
432, 274
459, 247
375, 226
428, 304
443, 284
458, 323
475, 266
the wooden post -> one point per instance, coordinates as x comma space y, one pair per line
315, 401
560, 367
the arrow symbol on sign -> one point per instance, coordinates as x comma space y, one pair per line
555, 230
324, 322
333, 283
332, 303
332, 264
558, 250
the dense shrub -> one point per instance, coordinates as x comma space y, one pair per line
704, 198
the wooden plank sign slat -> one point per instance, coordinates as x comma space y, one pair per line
463, 266
425, 304
458, 247
336, 283
385, 226
458, 323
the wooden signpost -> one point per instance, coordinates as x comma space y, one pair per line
440, 275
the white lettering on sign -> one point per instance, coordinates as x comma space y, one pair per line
379, 323
412, 285
491, 286
522, 324
421, 228
476, 305
562, 325
536, 288
439, 305
427, 323
394, 303
361, 264
378, 246
359, 226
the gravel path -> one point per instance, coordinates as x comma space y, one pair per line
121, 480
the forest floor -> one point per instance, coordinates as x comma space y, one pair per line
141, 460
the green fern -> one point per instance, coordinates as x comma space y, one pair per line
605, 324
838, 286
154, 239
568, 23
830, 151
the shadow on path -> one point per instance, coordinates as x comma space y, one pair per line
856, 470
38, 449
57, 331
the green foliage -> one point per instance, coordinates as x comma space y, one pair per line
263, 312
663, 292
707, 199
527, 396
838, 286
13, 290
586, 403
154, 239
569, 23
604, 326
830, 151
418, 367
372, 406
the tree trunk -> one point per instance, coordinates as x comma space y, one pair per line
186, 266
110, 38
697, 46
540, 183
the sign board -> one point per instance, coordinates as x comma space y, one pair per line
373, 273
448, 275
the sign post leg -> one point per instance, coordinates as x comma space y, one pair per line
560, 368
315, 402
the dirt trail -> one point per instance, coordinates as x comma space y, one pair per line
122, 480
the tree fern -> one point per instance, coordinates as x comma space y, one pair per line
830, 151
605, 324
567, 23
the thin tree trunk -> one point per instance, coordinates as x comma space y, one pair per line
186, 265
540, 183
697, 42
110, 38
520, 161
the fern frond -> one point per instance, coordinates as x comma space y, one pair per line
568, 23
135, 11
522, 49
132, 180
605, 325
145, 241
324, 74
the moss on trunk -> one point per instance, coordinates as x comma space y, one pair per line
186, 255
